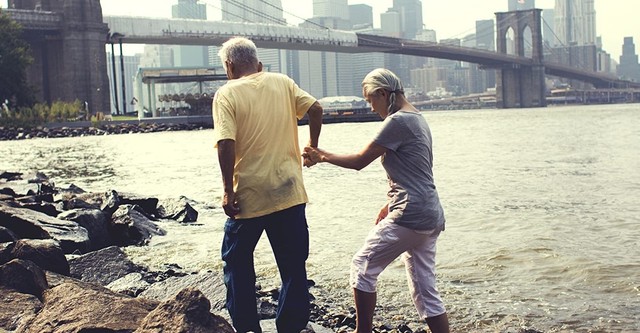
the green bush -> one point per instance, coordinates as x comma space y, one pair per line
40, 114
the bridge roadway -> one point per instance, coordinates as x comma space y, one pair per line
198, 32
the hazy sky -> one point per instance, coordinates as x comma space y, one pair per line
450, 18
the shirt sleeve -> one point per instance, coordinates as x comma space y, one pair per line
392, 133
303, 100
224, 119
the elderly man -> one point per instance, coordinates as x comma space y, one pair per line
255, 116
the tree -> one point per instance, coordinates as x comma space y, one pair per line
15, 58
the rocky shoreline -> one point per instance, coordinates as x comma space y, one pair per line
12, 133
62, 267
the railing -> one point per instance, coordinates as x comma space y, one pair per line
36, 20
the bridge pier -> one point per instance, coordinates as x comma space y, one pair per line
69, 58
521, 86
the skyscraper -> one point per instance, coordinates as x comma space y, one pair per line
253, 11
629, 68
521, 5
410, 17
575, 22
485, 35
190, 56
331, 8
361, 16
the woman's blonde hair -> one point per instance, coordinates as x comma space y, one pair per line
382, 78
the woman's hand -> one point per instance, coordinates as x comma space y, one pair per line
384, 211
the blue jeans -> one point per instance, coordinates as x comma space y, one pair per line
289, 237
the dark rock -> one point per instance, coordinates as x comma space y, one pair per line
43, 207
110, 202
267, 310
103, 266
6, 197
95, 221
23, 276
130, 227
16, 307
186, 312
148, 205
211, 284
31, 224
37, 177
10, 176
45, 253
6, 235
85, 307
5, 252
177, 209
8, 191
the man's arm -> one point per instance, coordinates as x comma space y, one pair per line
315, 123
227, 160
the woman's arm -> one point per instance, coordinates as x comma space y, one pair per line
351, 161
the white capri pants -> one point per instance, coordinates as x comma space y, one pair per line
385, 243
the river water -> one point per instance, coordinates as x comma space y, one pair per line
542, 208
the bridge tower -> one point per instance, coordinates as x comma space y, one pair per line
69, 62
521, 86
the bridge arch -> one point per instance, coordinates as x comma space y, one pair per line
524, 85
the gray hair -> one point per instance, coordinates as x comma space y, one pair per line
382, 78
238, 50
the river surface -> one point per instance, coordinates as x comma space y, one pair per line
542, 208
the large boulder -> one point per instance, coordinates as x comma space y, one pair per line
210, 283
24, 277
6, 235
130, 226
186, 312
45, 253
177, 209
26, 223
16, 307
103, 266
96, 223
86, 307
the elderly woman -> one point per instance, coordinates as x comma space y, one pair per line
409, 224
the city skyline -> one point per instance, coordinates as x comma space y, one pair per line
449, 18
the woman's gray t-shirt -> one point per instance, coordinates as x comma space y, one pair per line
414, 201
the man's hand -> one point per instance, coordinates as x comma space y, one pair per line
230, 205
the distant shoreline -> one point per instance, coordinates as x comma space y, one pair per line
145, 125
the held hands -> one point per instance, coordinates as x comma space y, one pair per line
312, 156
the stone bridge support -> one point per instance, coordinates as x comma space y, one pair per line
70, 62
521, 86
